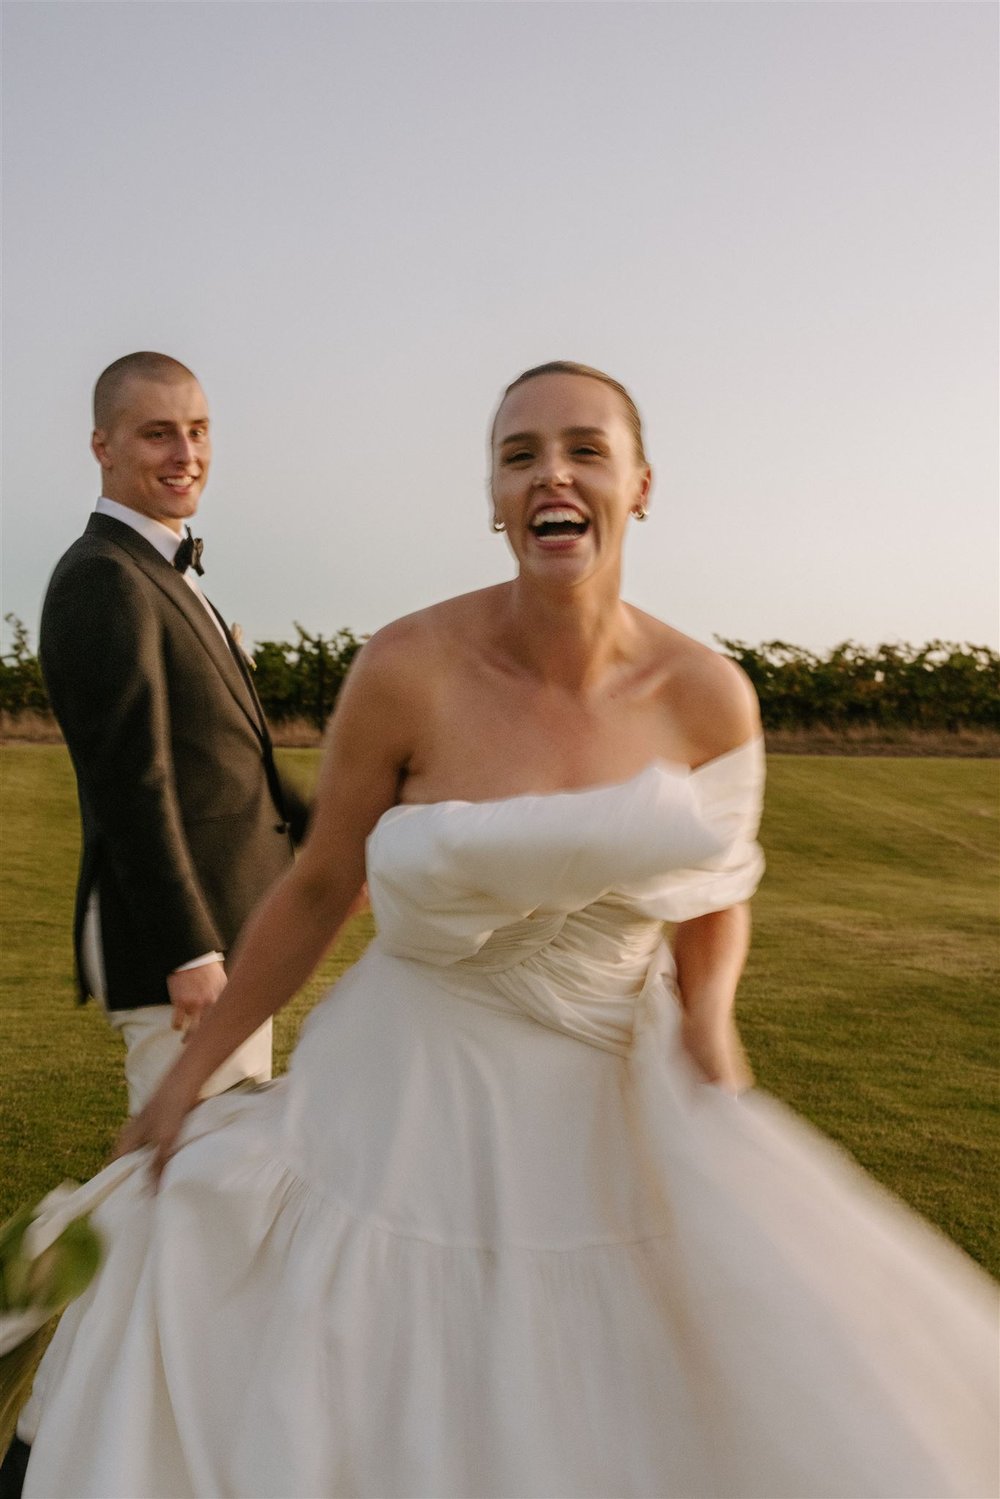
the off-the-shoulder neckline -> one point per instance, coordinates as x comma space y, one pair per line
660, 763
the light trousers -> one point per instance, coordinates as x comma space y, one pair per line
152, 1046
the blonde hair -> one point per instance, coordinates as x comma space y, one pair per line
570, 367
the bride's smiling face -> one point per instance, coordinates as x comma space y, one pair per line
566, 475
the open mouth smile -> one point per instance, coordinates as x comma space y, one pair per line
558, 522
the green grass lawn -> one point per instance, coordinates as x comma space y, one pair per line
867, 1005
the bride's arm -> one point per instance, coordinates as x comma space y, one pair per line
710, 952
368, 745
719, 712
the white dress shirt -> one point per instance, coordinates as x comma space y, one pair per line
164, 540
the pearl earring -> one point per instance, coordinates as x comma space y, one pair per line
498, 524
640, 512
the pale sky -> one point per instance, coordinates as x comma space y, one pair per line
775, 222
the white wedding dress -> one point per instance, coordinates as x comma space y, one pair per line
492, 1237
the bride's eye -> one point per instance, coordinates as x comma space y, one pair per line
518, 457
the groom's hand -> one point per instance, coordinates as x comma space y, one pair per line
193, 991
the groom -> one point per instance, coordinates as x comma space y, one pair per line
185, 821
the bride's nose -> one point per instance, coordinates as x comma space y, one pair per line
551, 473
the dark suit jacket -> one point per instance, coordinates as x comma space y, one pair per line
185, 822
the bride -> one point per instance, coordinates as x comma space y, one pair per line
511, 1227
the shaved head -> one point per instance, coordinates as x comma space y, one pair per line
109, 392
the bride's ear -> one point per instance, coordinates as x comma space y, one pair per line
496, 524
641, 503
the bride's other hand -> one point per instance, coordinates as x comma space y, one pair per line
159, 1123
714, 1046
361, 902
710, 952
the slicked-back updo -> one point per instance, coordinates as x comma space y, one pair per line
570, 367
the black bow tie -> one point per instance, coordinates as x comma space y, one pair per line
189, 552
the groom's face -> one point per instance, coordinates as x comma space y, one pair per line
155, 452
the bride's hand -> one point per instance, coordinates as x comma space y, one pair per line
716, 1050
158, 1124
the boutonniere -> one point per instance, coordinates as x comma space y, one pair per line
236, 631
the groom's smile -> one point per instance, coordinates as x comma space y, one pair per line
155, 451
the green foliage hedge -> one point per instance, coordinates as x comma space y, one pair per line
302, 680
940, 685
935, 686
21, 687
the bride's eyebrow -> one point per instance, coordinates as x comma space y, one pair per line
567, 432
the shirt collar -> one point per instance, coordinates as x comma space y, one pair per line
158, 535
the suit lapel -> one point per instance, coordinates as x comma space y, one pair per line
172, 584
243, 666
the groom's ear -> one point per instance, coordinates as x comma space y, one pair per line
99, 447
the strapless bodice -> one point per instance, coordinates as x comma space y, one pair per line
557, 902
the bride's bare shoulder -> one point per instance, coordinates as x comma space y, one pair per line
412, 644
710, 700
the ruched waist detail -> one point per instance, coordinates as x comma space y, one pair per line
513, 946
559, 971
